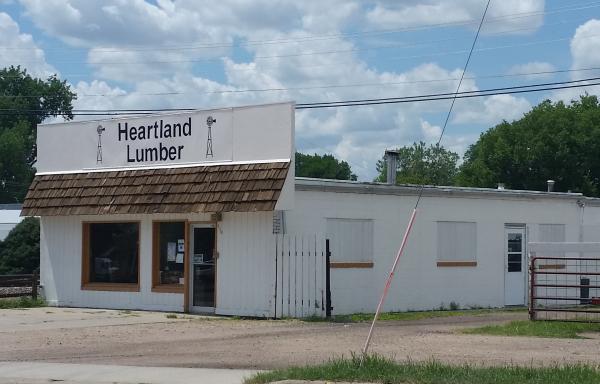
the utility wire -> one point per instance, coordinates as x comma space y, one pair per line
328, 86
220, 45
336, 104
319, 53
414, 212
333, 103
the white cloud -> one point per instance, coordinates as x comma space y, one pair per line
511, 16
491, 110
585, 50
431, 133
537, 70
116, 31
18, 48
585, 53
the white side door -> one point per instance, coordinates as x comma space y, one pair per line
515, 266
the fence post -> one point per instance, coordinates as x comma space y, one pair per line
34, 284
328, 306
532, 287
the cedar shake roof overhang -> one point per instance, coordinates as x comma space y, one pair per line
194, 189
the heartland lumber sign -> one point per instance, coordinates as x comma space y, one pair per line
245, 134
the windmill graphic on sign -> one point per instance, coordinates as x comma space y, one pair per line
209, 150
100, 129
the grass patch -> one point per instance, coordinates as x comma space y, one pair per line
21, 302
411, 315
171, 316
553, 329
382, 370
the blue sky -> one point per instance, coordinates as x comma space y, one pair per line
169, 54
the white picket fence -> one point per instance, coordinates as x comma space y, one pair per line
300, 286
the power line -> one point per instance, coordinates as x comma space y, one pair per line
465, 93
594, 81
220, 45
328, 86
460, 96
414, 211
330, 52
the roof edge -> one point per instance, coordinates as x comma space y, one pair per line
164, 166
347, 186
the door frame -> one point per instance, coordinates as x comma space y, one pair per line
189, 295
524, 259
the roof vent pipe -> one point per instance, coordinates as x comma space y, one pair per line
391, 160
550, 185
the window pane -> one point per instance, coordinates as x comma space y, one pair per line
514, 242
113, 252
514, 258
514, 267
170, 251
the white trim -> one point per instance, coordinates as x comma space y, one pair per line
165, 166
125, 116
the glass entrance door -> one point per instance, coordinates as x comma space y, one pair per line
203, 263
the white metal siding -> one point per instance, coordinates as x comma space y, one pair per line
246, 264
419, 283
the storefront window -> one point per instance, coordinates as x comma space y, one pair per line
169, 251
111, 253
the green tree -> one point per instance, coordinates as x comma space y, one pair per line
555, 141
322, 167
26, 102
20, 251
421, 164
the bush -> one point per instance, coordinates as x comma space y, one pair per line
20, 251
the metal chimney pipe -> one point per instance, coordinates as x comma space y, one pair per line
550, 185
391, 159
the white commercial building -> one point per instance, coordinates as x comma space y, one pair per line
201, 212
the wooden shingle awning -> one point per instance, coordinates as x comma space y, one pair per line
197, 189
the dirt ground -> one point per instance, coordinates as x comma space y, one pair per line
151, 339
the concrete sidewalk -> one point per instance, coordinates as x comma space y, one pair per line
38, 373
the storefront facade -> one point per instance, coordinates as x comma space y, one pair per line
162, 212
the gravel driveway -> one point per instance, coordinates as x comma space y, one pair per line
151, 339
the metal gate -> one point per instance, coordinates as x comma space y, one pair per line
564, 281
302, 284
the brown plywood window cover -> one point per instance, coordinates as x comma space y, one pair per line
217, 188
351, 264
456, 263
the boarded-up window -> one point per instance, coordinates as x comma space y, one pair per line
456, 241
350, 239
554, 233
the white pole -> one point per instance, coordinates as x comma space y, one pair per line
390, 278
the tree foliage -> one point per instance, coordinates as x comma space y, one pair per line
553, 141
29, 102
322, 167
20, 251
422, 164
